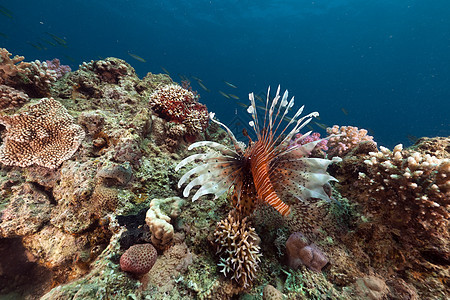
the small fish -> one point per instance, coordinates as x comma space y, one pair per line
34, 46
137, 57
48, 42
42, 46
321, 125
196, 78
165, 71
203, 86
259, 98
6, 12
3, 35
412, 138
233, 96
69, 58
182, 77
57, 39
225, 95
344, 111
242, 104
230, 84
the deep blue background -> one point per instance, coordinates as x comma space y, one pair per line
387, 63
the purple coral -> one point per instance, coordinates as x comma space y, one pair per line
300, 139
56, 66
300, 252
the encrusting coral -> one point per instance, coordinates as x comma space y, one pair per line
42, 133
238, 249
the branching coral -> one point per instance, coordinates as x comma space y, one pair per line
10, 67
238, 248
42, 133
412, 189
346, 138
34, 78
176, 104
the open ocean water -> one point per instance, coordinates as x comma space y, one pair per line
380, 65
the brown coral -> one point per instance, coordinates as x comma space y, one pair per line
42, 133
11, 98
238, 248
10, 67
413, 188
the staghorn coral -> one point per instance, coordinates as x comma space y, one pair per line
346, 139
11, 98
412, 189
238, 249
176, 104
42, 133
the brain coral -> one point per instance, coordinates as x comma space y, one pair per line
238, 248
138, 259
42, 133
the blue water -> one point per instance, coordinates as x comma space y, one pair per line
385, 63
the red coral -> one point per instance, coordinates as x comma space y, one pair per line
179, 105
138, 259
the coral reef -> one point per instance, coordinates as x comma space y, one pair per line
42, 133
70, 207
138, 259
238, 249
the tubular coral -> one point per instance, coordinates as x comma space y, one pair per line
42, 133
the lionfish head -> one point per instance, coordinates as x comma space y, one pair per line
268, 169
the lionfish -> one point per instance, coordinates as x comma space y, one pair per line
268, 169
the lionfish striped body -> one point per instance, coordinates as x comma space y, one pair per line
268, 170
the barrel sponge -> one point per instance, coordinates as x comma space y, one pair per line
138, 259
42, 133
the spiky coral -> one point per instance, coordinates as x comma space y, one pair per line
238, 249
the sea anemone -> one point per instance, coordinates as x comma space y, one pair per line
268, 169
